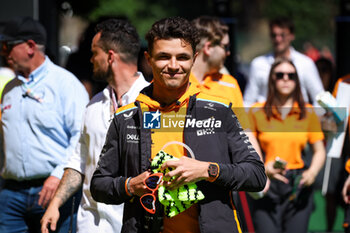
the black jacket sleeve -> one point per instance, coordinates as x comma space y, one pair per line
247, 171
107, 185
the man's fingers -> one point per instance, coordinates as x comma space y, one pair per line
42, 195
177, 182
44, 224
174, 172
53, 225
45, 197
169, 163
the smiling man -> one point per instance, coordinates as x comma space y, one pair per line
282, 35
224, 158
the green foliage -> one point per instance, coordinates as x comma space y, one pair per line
141, 13
313, 18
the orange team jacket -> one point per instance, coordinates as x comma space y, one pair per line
285, 138
224, 86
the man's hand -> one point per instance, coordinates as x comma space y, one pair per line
51, 216
275, 173
136, 185
346, 189
48, 190
186, 170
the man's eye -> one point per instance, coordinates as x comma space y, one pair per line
163, 57
183, 58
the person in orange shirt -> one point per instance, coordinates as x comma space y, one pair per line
212, 49
283, 125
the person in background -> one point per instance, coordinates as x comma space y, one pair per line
42, 110
224, 158
282, 35
333, 197
115, 49
6, 74
283, 125
326, 69
345, 155
212, 49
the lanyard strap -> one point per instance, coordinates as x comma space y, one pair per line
28, 89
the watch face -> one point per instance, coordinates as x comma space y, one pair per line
213, 170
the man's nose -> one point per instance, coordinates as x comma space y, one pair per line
173, 63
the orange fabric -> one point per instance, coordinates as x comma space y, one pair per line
126, 187
188, 218
285, 138
235, 214
347, 166
345, 79
171, 130
224, 86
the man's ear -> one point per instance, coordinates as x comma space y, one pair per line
31, 47
292, 37
148, 57
195, 57
207, 48
111, 56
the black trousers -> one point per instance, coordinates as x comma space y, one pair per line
285, 208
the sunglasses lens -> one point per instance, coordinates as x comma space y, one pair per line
279, 75
148, 202
153, 181
292, 76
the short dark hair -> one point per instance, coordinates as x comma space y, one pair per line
283, 22
210, 28
172, 27
119, 35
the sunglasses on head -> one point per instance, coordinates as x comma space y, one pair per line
148, 200
7, 46
280, 75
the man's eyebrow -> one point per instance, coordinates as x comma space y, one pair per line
184, 54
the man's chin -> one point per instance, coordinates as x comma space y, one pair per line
100, 78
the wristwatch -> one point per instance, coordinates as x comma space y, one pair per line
213, 171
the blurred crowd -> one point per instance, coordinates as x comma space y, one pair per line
53, 128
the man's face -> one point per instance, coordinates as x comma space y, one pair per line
281, 39
219, 52
16, 55
171, 61
99, 59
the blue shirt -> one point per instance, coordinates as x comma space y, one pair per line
41, 119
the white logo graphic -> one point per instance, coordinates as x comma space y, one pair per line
127, 115
151, 120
